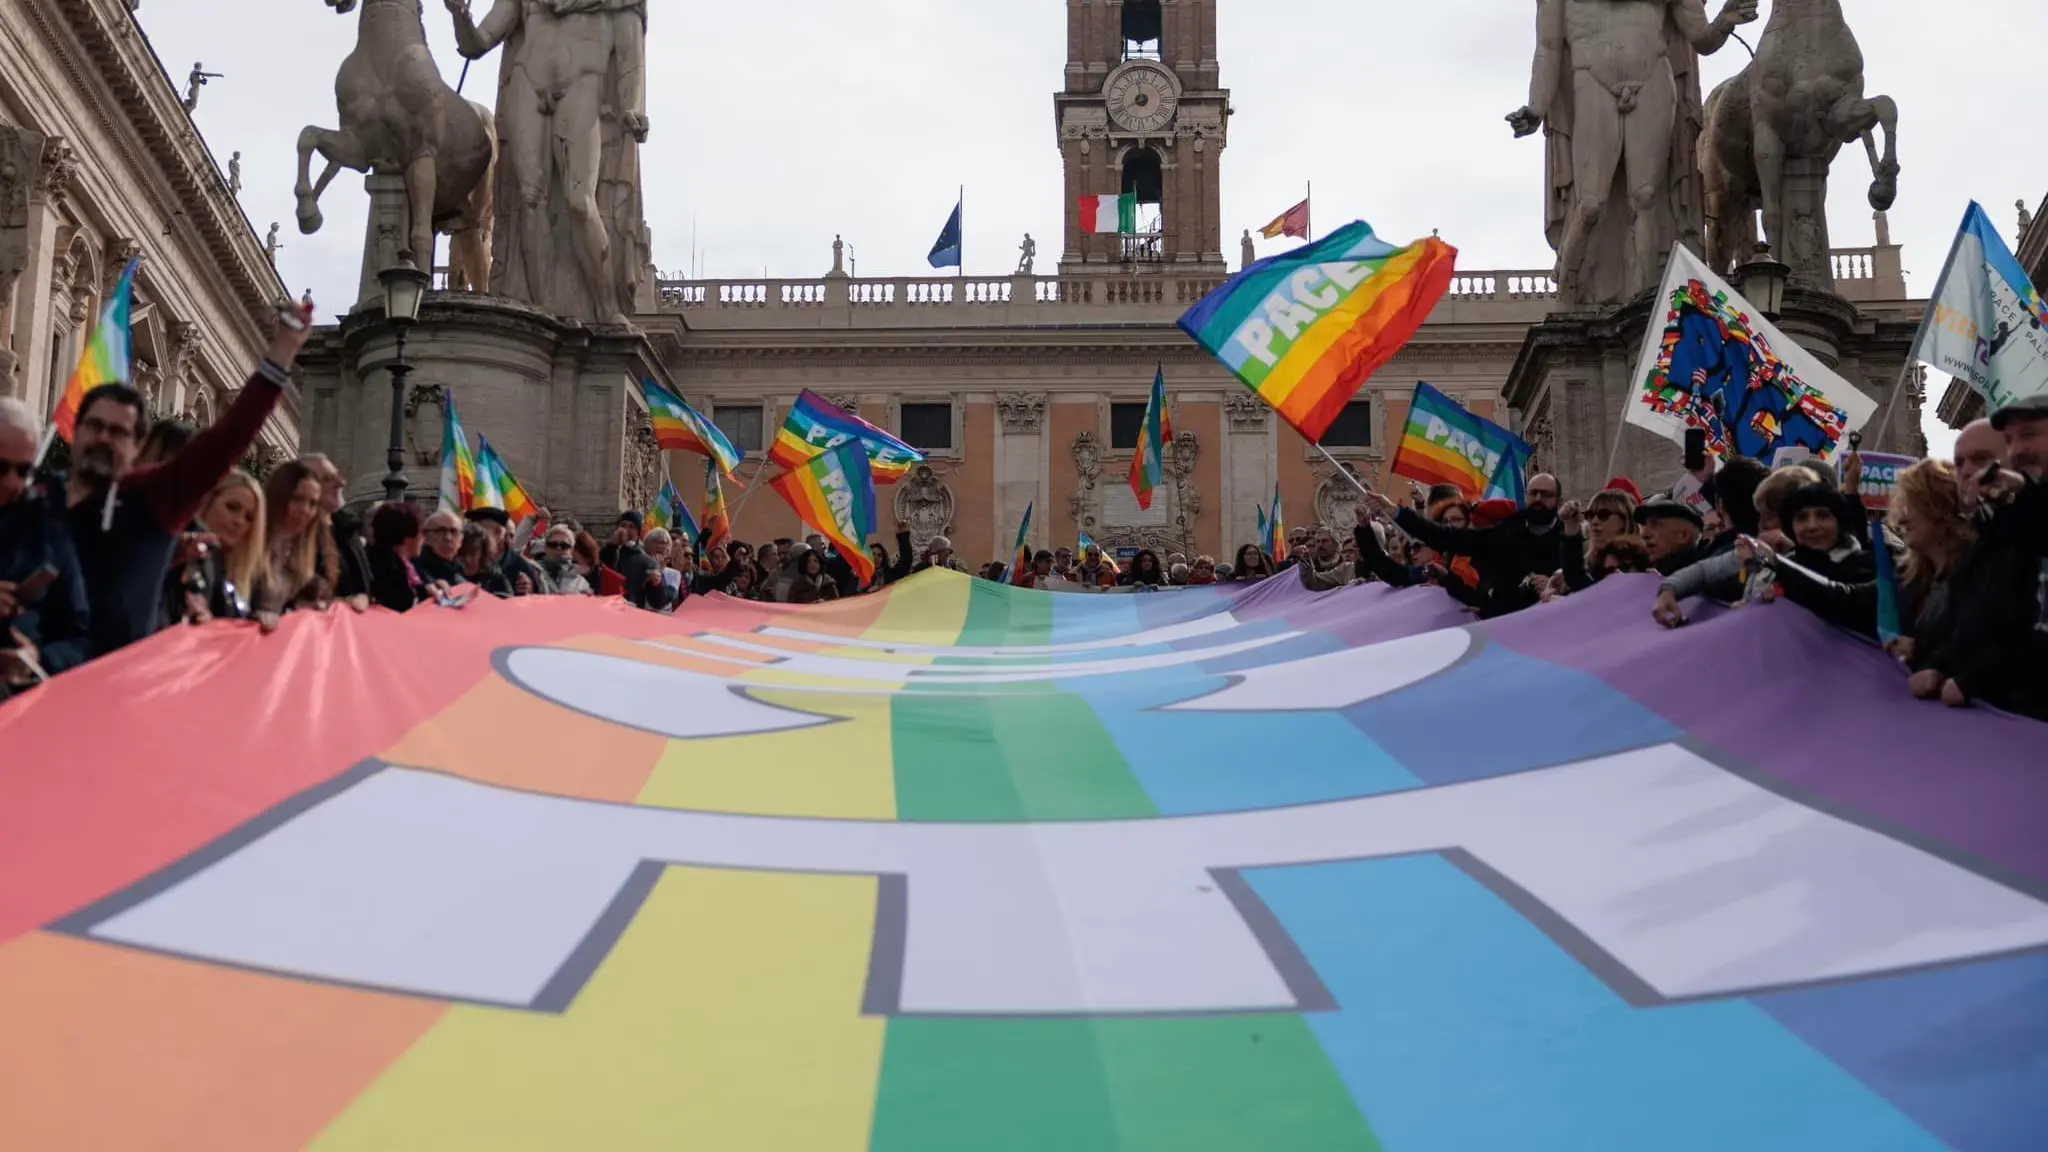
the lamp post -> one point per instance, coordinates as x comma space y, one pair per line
404, 285
1762, 282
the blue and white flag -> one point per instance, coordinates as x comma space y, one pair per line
1986, 322
946, 253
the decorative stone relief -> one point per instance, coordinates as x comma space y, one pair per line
1337, 501
119, 252
1542, 437
60, 164
1087, 453
1247, 412
1022, 412
846, 401
149, 380
425, 417
641, 481
1187, 448
924, 502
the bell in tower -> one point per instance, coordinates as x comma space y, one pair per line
1143, 116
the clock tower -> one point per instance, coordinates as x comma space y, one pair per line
1144, 113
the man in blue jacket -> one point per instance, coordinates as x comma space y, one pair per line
45, 627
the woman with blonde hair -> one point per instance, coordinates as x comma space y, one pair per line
1928, 514
234, 517
293, 574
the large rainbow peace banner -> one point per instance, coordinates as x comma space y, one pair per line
966, 866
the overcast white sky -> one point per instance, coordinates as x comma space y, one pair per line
777, 125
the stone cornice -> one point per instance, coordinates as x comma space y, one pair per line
146, 121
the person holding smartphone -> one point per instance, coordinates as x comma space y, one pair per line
45, 627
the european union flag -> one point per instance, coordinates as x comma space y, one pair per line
946, 253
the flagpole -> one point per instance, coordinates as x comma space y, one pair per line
734, 515
960, 269
1356, 481
1308, 226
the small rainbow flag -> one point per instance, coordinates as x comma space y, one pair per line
835, 493
681, 428
109, 357
817, 425
458, 463
1446, 444
1020, 557
671, 513
717, 525
497, 488
1307, 328
1276, 530
1148, 462
1088, 542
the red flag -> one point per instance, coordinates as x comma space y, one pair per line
1293, 222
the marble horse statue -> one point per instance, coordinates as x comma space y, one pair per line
398, 116
1790, 110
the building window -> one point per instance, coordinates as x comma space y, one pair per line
928, 427
1352, 428
1143, 24
741, 424
1126, 423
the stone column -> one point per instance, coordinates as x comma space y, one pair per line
1020, 467
385, 237
1805, 247
21, 155
34, 313
1247, 465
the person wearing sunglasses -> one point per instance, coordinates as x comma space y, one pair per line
45, 627
558, 560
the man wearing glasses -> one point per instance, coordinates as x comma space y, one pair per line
126, 521
436, 563
1514, 557
44, 628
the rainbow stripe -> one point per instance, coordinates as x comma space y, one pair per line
1148, 460
1307, 328
817, 425
109, 357
458, 463
1276, 530
671, 513
1020, 557
835, 493
717, 525
497, 488
681, 428
1445, 444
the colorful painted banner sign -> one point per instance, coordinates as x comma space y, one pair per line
1307, 328
817, 425
1881, 478
965, 866
1444, 443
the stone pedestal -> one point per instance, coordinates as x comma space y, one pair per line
384, 237
1804, 247
1576, 371
560, 402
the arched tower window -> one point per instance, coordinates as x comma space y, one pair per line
1143, 177
1143, 26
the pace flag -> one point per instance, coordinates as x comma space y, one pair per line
717, 525
1987, 324
497, 488
109, 356
1307, 328
961, 866
681, 428
817, 425
1148, 460
1890, 620
1276, 530
1715, 363
1086, 542
1020, 556
1444, 443
672, 513
458, 463
835, 493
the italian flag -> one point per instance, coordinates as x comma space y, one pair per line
1109, 214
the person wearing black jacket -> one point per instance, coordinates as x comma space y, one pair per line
439, 561
345, 538
395, 542
45, 621
497, 524
1374, 561
1513, 556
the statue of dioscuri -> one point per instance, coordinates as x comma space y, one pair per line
1615, 87
1797, 103
399, 117
571, 236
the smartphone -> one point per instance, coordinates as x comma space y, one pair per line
1695, 449
37, 583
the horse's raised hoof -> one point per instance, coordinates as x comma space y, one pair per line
310, 218
1883, 193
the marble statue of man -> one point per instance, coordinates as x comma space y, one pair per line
1616, 89
1027, 254
571, 237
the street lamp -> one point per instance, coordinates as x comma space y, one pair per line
1762, 282
404, 285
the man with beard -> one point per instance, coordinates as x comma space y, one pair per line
1512, 557
126, 521
44, 628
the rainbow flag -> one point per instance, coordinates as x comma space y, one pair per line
1148, 462
109, 356
1020, 557
458, 463
681, 428
671, 513
1446, 444
497, 488
1088, 542
817, 425
1276, 530
717, 525
1307, 328
835, 493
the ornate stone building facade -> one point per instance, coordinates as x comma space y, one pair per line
99, 162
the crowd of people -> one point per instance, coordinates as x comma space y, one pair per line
156, 525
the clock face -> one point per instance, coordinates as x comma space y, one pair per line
1141, 97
